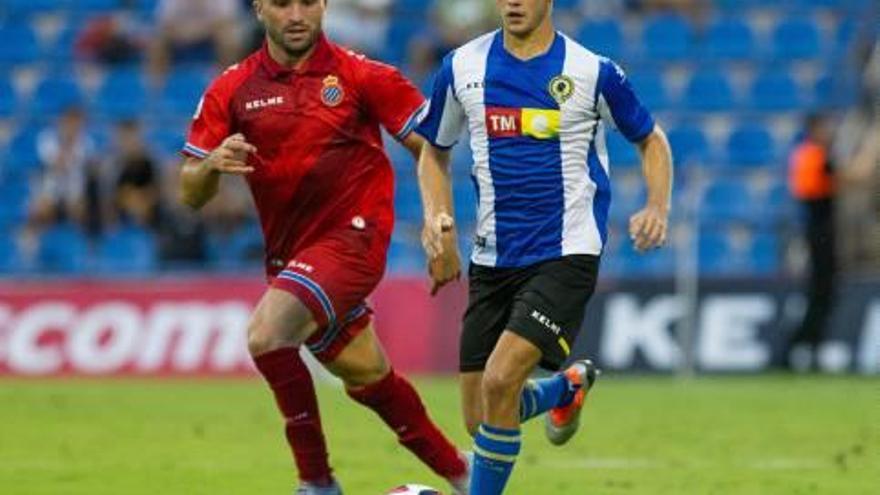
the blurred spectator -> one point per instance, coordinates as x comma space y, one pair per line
359, 24
462, 20
136, 191
68, 188
812, 183
110, 39
195, 30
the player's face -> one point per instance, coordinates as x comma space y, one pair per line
293, 25
522, 17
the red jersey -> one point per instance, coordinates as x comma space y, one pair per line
320, 164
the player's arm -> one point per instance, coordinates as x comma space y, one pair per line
439, 237
200, 177
441, 126
621, 107
648, 228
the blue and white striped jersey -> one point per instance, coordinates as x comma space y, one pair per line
536, 127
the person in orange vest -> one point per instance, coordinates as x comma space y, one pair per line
811, 178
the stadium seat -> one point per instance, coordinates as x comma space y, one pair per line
8, 96
751, 145
18, 44
651, 89
689, 145
621, 153
22, 158
407, 205
122, 94
241, 248
765, 254
167, 140
726, 201
55, 93
63, 249
715, 254
127, 251
8, 251
89, 7
404, 254
729, 38
780, 206
708, 91
402, 29
604, 37
182, 91
796, 38
18, 9
14, 200
666, 38
775, 91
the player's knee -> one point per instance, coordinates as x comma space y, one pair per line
364, 374
261, 339
498, 386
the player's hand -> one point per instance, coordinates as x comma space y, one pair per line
648, 227
231, 156
440, 242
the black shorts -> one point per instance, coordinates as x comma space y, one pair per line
543, 303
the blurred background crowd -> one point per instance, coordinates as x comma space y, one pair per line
96, 97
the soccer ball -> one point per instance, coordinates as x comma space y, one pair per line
414, 490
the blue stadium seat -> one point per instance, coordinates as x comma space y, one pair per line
667, 38
21, 156
566, 4
239, 249
689, 144
625, 201
796, 38
127, 251
397, 39
621, 153
651, 89
729, 38
715, 254
24, 8
167, 140
122, 94
726, 201
55, 93
404, 255
407, 205
63, 249
14, 201
8, 96
751, 145
780, 206
88, 7
18, 44
765, 253
182, 91
709, 91
775, 91
604, 37
8, 252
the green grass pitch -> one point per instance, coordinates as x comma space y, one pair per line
726, 435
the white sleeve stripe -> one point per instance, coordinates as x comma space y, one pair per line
194, 150
414, 120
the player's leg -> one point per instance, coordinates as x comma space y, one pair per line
279, 325
497, 442
369, 380
471, 400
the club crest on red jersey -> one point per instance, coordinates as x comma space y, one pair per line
332, 92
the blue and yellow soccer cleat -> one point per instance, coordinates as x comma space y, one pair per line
306, 488
561, 423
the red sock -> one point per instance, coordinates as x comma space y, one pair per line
395, 400
294, 390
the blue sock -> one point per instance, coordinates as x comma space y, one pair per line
495, 451
539, 396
